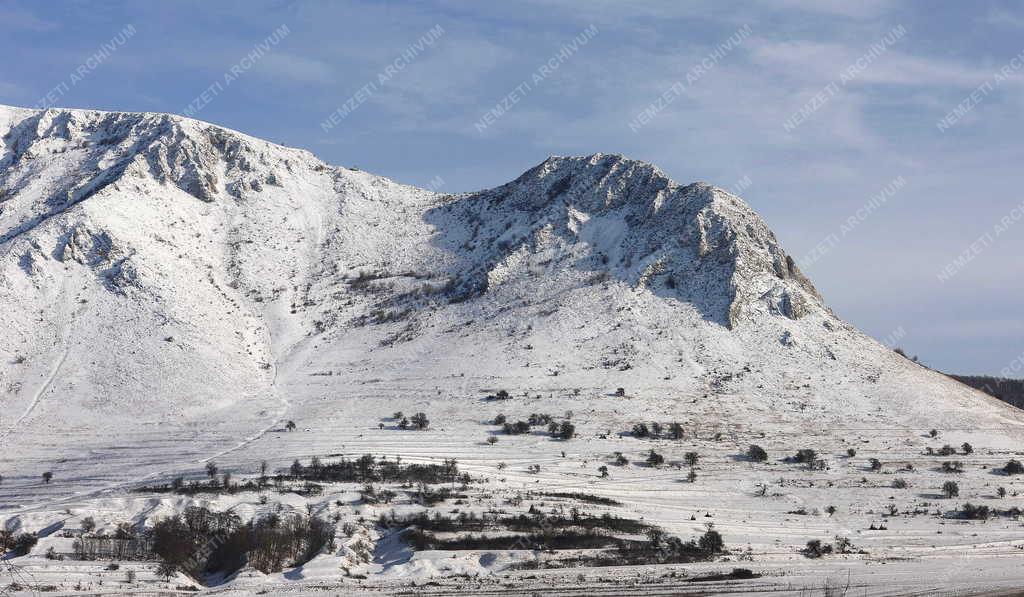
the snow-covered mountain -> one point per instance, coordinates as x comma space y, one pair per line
159, 273
172, 292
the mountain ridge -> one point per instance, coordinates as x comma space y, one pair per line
165, 278
184, 152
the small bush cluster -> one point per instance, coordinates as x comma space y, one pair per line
816, 549
972, 512
517, 428
584, 497
663, 549
18, 545
657, 430
417, 421
539, 419
953, 467
981, 512
805, 456
808, 457
564, 430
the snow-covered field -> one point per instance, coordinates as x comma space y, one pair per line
173, 293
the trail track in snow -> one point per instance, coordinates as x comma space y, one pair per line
37, 398
286, 404
274, 423
52, 375
121, 485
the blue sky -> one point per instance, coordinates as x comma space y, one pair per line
880, 190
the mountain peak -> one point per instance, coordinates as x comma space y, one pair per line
85, 152
693, 243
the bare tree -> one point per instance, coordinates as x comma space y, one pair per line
12, 576
88, 524
420, 421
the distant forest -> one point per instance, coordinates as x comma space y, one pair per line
1007, 390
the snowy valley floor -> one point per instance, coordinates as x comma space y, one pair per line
905, 540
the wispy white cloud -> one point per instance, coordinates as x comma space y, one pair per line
999, 17
284, 65
8, 89
862, 9
810, 60
14, 17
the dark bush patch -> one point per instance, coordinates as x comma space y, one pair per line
24, 543
532, 522
200, 541
981, 512
517, 428
365, 469
953, 467
972, 512
736, 574
815, 549
757, 453
422, 540
805, 456
584, 497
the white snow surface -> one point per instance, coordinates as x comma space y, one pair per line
172, 292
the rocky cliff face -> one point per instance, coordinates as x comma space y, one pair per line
693, 243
